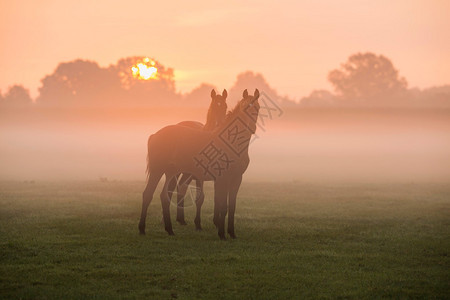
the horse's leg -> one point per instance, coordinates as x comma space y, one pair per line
220, 205
165, 203
199, 199
234, 188
172, 186
182, 187
147, 197
216, 209
216, 213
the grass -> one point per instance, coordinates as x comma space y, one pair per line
77, 240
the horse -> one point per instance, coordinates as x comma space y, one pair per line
215, 117
220, 155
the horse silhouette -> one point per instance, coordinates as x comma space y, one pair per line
215, 117
220, 155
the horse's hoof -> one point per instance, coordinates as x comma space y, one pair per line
182, 222
141, 230
232, 235
222, 237
170, 232
198, 229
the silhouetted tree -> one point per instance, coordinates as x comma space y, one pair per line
366, 77
79, 82
199, 97
16, 96
85, 83
164, 77
438, 96
157, 90
318, 98
251, 81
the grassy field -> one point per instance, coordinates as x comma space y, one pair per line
295, 240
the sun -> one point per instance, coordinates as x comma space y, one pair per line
145, 70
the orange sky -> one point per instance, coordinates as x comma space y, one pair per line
294, 44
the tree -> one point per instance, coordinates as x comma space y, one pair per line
251, 81
133, 81
366, 77
199, 96
438, 96
79, 82
318, 98
17, 95
162, 76
157, 88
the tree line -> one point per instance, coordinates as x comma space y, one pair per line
365, 79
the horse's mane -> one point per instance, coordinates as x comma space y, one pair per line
230, 116
234, 112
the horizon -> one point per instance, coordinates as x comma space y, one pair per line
295, 62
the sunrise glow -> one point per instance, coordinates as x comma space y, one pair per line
145, 70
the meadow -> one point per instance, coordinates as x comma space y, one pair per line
296, 240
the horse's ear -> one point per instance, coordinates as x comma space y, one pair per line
224, 94
213, 93
245, 93
256, 95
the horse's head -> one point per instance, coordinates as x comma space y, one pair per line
218, 107
249, 105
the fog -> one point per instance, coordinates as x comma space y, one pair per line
306, 145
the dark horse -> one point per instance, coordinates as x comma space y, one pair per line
215, 117
220, 156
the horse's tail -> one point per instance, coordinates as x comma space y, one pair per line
147, 171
